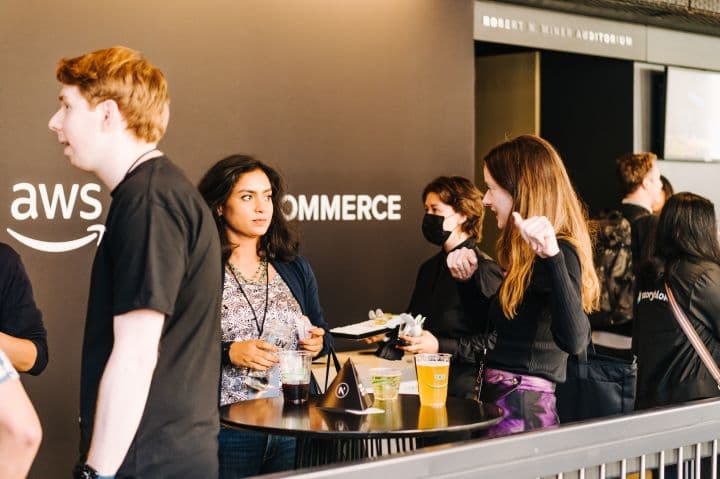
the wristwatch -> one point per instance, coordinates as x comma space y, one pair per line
84, 471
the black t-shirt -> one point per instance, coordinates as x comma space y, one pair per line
160, 251
642, 224
456, 312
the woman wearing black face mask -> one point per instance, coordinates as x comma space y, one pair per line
456, 310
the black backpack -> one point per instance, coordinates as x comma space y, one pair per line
614, 268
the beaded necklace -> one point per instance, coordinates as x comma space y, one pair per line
257, 278
263, 275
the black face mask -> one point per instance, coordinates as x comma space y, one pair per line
432, 228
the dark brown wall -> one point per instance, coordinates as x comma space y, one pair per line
587, 114
352, 97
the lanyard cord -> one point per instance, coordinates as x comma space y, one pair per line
260, 325
134, 163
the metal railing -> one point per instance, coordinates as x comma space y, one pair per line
658, 440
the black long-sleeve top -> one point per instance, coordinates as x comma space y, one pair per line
550, 321
19, 316
456, 312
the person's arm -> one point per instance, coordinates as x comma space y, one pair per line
486, 278
20, 431
124, 387
22, 352
570, 325
705, 300
22, 333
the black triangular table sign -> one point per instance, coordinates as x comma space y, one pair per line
346, 391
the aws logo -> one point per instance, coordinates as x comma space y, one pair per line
34, 202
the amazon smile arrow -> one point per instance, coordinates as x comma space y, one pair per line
96, 231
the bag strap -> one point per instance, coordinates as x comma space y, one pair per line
693, 336
480, 358
331, 355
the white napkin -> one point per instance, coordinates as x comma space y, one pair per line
370, 410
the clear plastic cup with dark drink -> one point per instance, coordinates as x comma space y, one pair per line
295, 369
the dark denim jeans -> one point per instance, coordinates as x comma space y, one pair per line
247, 453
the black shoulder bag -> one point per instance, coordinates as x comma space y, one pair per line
315, 389
597, 385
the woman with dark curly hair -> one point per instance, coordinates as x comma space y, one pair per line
269, 302
453, 288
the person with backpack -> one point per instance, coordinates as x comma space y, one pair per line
621, 243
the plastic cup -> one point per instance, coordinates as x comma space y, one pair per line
295, 367
432, 372
385, 383
391, 419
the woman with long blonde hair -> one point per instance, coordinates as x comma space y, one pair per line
540, 311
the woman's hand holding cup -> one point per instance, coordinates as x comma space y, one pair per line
254, 354
314, 343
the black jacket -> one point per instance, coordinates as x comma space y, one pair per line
669, 369
456, 312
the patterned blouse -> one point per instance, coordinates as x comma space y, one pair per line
238, 324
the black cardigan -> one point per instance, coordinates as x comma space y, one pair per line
456, 312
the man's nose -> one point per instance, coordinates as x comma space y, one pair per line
54, 123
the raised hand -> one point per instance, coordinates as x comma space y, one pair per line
538, 233
462, 263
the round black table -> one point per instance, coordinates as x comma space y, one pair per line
325, 437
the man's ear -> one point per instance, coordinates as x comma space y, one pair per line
111, 115
646, 181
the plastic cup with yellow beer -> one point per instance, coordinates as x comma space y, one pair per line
432, 376
432, 417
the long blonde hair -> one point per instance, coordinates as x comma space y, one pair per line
530, 169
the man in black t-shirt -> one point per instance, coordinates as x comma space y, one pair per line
151, 351
639, 176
